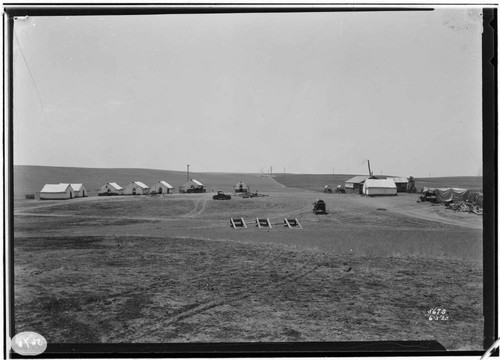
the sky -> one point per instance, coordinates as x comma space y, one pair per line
298, 92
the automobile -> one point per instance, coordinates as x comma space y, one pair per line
319, 207
221, 196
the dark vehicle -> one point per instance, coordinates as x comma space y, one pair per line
221, 196
319, 207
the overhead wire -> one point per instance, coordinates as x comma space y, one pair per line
32, 76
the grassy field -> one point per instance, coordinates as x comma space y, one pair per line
170, 269
315, 182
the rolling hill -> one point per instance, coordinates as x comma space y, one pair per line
31, 178
314, 182
474, 183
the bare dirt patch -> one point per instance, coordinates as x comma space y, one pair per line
142, 289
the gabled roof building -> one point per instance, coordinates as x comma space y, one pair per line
110, 189
192, 186
57, 192
136, 188
162, 187
79, 189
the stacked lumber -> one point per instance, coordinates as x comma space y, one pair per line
465, 206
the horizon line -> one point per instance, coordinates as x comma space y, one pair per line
238, 172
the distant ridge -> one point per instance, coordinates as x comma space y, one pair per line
317, 182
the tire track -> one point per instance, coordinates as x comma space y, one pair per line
189, 214
289, 213
94, 217
197, 212
73, 201
272, 286
415, 214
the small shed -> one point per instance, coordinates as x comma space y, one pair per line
355, 184
110, 189
79, 190
379, 187
162, 187
401, 183
57, 192
241, 187
192, 186
136, 188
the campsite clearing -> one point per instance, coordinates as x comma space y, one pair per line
171, 269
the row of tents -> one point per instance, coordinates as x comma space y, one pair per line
62, 191
70, 191
135, 188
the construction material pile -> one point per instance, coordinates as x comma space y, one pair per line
465, 206
476, 198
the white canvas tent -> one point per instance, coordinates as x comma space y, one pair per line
78, 189
241, 187
136, 188
111, 188
57, 192
191, 186
162, 187
375, 187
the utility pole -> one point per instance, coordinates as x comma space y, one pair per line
188, 173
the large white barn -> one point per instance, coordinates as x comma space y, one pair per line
109, 189
162, 187
136, 188
57, 192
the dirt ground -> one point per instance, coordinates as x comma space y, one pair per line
171, 269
